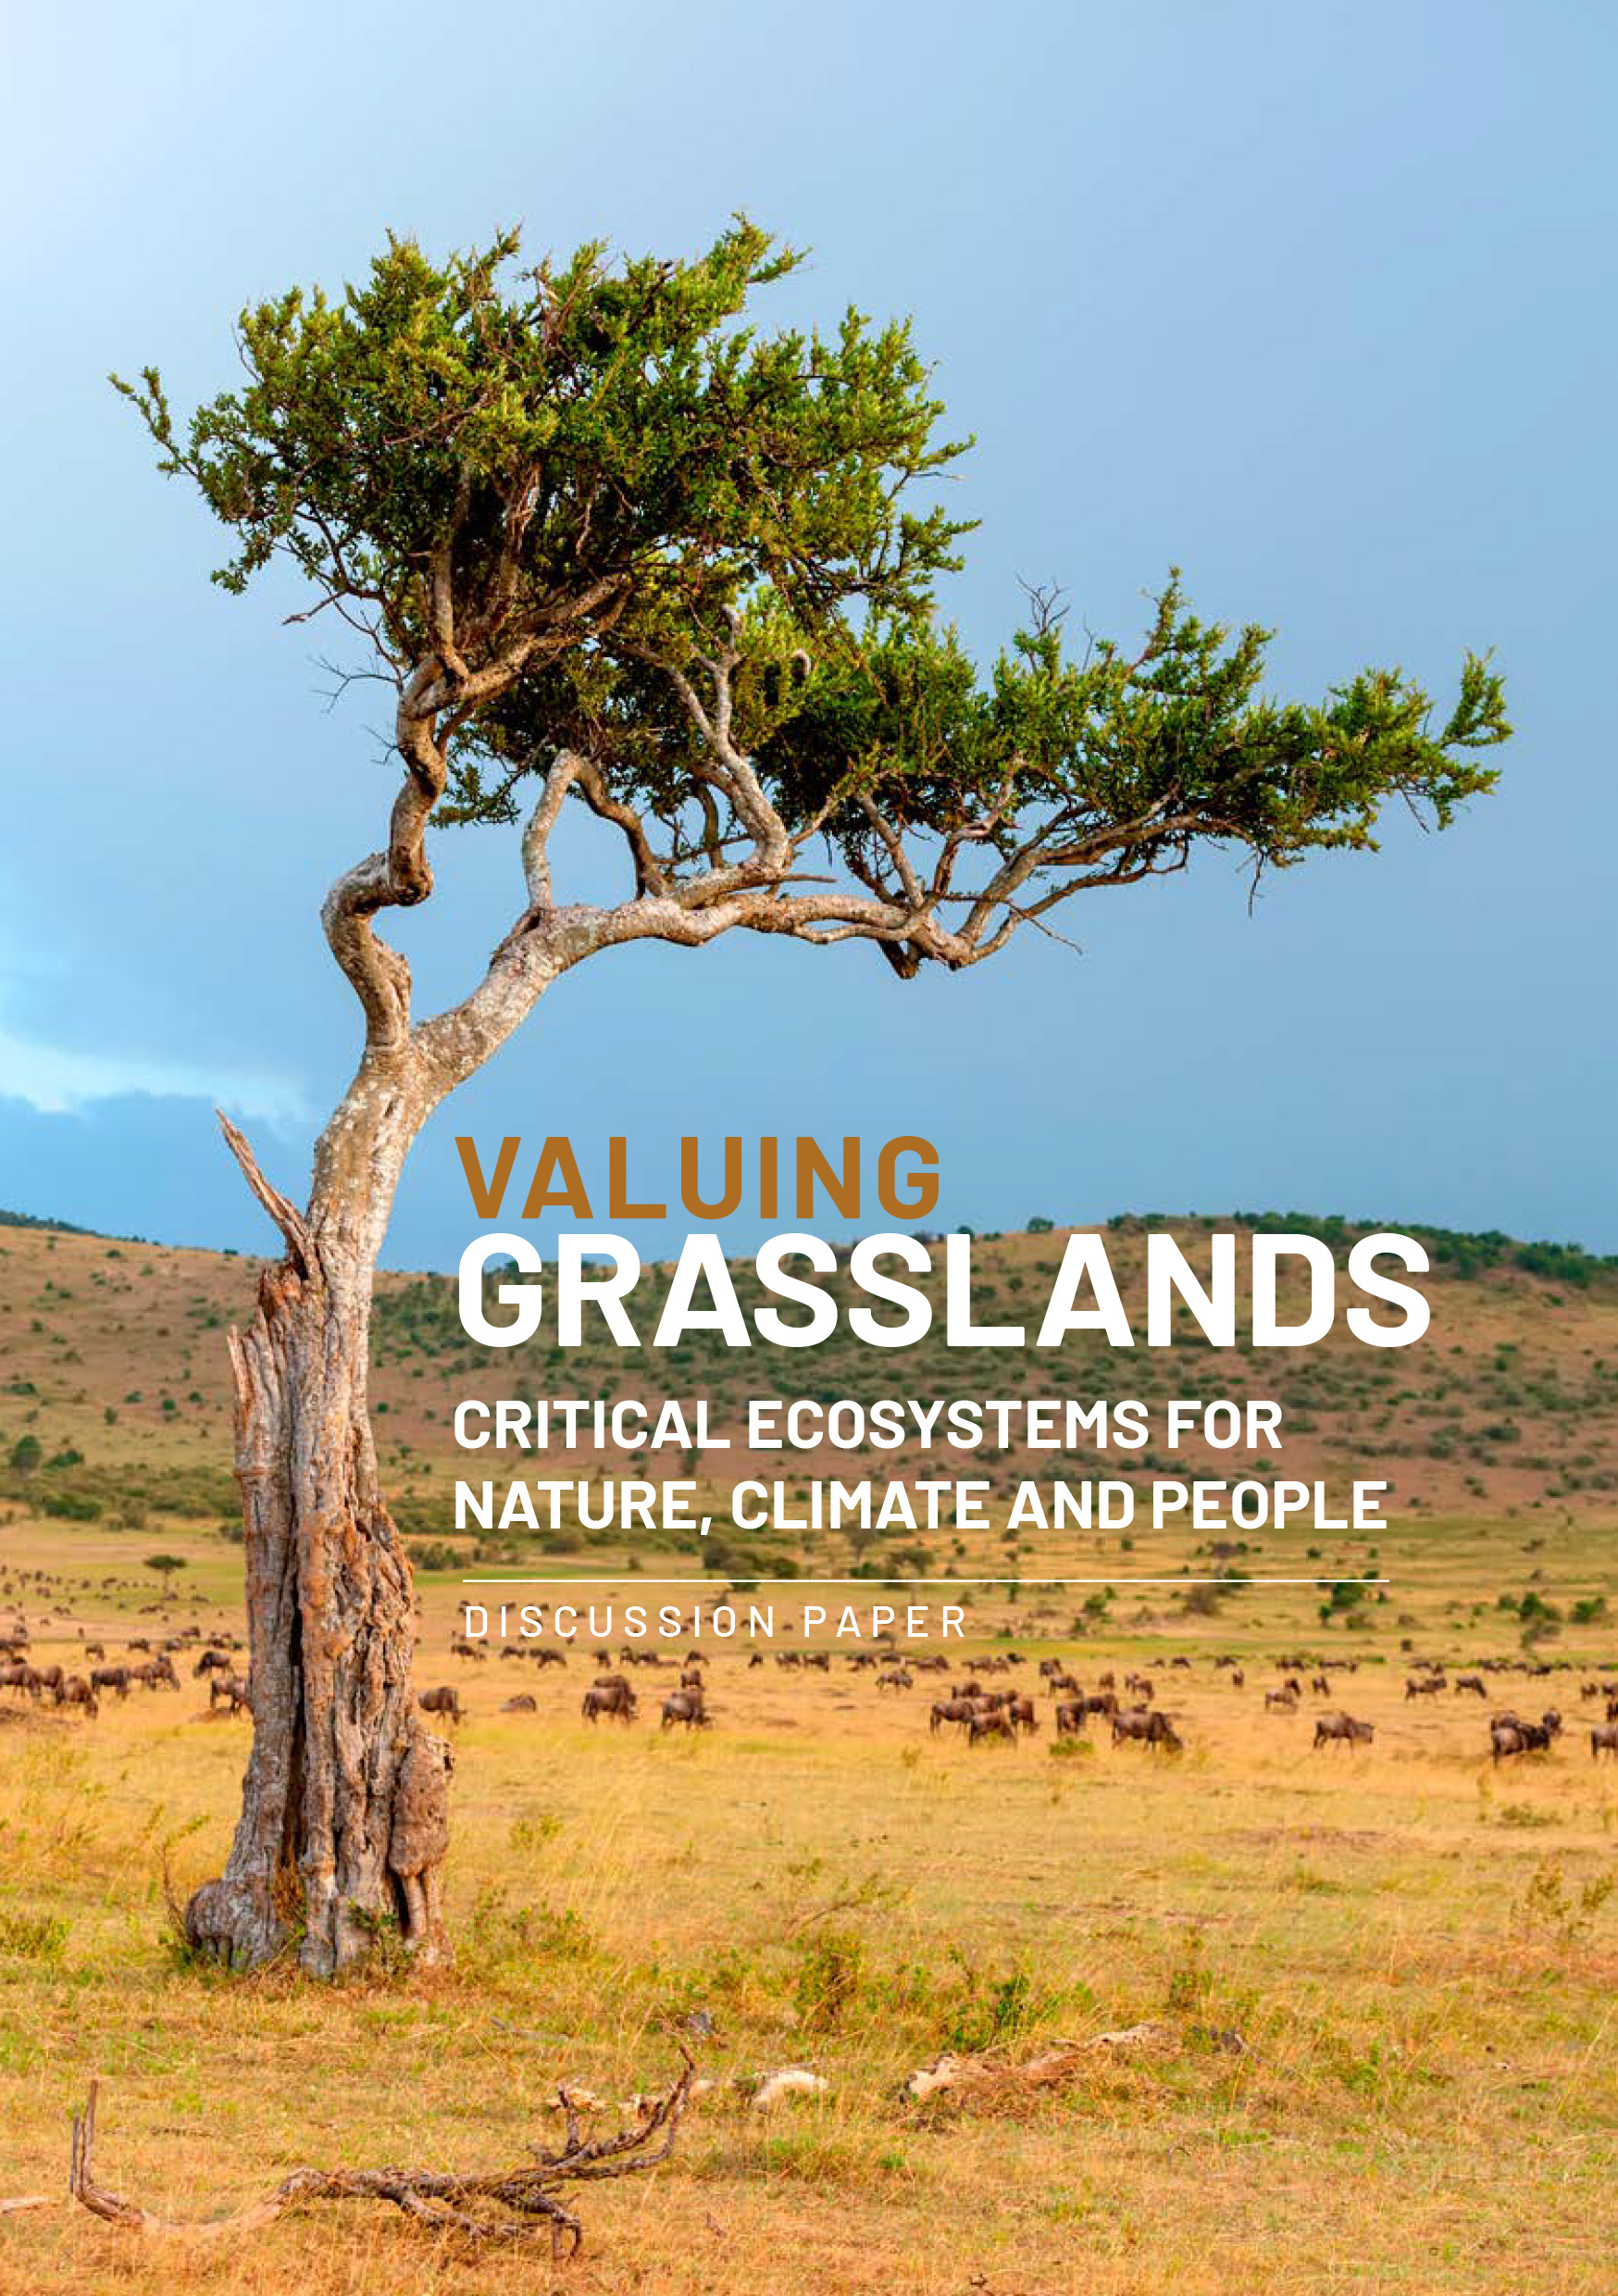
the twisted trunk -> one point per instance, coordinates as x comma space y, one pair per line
329, 1604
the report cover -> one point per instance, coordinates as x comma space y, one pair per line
743, 1548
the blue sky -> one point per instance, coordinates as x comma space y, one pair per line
1316, 302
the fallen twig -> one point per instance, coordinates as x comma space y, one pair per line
464, 2205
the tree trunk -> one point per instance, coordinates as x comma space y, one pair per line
330, 1609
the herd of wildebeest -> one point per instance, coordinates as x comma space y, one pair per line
985, 1704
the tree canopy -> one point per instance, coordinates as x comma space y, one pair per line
615, 544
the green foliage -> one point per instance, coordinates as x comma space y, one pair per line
993, 2010
549, 498
433, 1554
33, 1936
831, 1969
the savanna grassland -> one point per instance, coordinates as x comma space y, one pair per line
1376, 1988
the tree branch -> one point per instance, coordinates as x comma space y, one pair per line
502, 2205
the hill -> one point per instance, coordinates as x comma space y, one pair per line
115, 1405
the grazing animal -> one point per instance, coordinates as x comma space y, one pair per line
1471, 1682
443, 1700
1603, 1739
1343, 1729
76, 1691
1069, 1717
227, 1689
685, 1707
895, 1678
990, 1725
1148, 1729
615, 1698
1280, 1702
524, 1703
110, 1678
949, 1710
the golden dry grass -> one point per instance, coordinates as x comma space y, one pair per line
1384, 1984
1387, 1984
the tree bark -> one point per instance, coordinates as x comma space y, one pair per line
330, 1608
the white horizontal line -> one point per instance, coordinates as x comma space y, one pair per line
651, 1579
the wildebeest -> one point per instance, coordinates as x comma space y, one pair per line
685, 1707
616, 1698
1281, 1702
1147, 1730
76, 1691
211, 1662
895, 1678
228, 1689
992, 1725
1423, 1685
1605, 1739
524, 1703
1471, 1682
443, 1700
1343, 1727
949, 1710
1069, 1716
110, 1678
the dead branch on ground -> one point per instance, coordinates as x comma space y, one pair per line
503, 2206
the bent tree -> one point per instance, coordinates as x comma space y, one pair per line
620, 554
